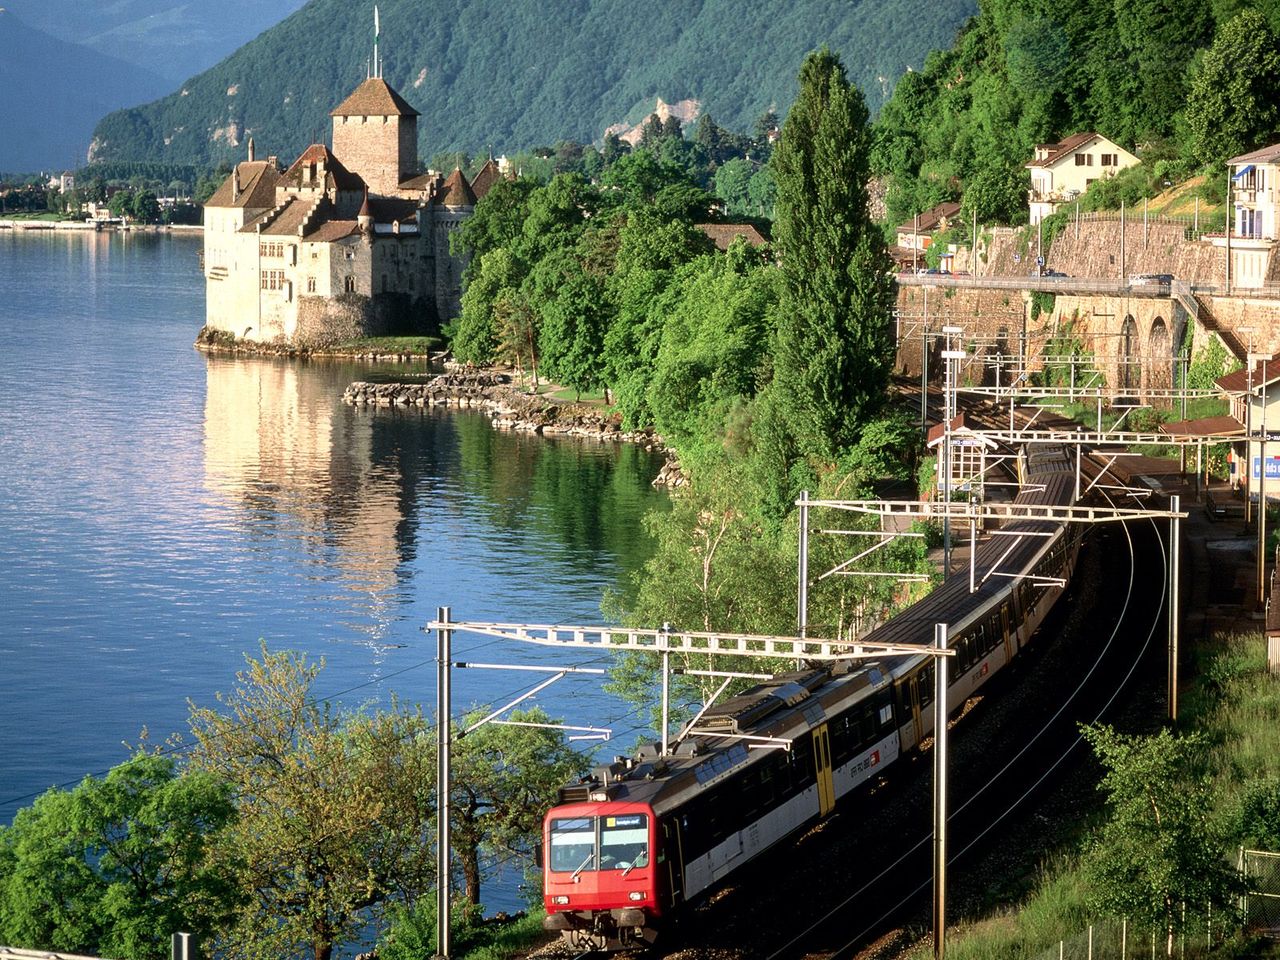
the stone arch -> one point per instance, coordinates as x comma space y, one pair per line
1130, 362
1159, 365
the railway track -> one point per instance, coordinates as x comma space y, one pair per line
1017, 754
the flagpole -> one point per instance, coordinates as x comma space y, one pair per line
377, 64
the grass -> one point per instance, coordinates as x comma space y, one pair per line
500, 941
1236, 703
415, 345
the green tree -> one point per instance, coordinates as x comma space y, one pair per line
504, 779
145, 208
115, 865
121, 203
334, 809
732, 182
570, 302
1234, 103
1159, 849
833, 351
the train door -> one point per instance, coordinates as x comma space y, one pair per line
822, 764
673, 853
1008, 632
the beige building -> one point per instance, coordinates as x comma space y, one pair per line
1060, 172
1254, 178
347, 241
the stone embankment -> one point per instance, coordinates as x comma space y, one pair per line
510, 408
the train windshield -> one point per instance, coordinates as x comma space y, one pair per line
580, 844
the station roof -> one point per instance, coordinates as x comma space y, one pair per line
1210, 428
1237, 381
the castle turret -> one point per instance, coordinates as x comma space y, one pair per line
375, 135
365, 218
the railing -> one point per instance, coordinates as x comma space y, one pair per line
1062, 285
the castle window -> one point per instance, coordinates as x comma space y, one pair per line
311, 284
349, 253
350, 285
272, 279
271, 249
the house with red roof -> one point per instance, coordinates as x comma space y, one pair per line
1062, 171
348, 241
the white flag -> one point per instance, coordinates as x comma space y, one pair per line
376, 30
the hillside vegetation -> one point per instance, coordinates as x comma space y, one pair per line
507, 75
1185, 83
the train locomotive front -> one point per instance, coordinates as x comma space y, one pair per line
600, 876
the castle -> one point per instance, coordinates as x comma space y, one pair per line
349, 241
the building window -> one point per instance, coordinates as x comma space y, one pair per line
1109, 160
271, 249
349, 253
350, 285
272, 279
311, 284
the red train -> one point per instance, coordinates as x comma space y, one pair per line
631, 843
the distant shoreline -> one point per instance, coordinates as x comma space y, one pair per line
90, 226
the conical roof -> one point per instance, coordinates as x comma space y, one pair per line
457, 192
484, 180
374, 98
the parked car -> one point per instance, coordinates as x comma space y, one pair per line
1054, 273
1150, 279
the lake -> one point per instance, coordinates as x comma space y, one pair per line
161, 512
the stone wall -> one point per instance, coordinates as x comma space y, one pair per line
1094, 249
993, 321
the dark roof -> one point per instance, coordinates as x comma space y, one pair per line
723, 234
333, 230
1063, 147
1238, 380
456, 191
1269, 154
374, 98
931, 219
258, 179
423, 181
1207, 427
483, 181
284, 220
392, 211
336, 175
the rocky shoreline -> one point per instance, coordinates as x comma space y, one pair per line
510, 408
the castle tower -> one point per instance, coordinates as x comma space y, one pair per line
375, 135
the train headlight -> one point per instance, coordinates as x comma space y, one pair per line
635, 895
560, 900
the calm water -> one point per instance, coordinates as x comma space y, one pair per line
161, 511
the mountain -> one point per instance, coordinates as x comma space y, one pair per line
508, 74
53, 92
174, 38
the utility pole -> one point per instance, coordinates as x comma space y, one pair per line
444, 640
949, 357
940, 795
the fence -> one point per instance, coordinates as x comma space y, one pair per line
1197, 933
1261, 905
1196, 936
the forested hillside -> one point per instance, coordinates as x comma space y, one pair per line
1184, 82
513, 74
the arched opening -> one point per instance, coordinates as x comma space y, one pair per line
1130, 369
1159, 364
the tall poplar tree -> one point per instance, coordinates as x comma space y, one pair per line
833, 353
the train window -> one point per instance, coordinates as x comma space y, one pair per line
573, 844
624, 841
886, 714
924, 685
